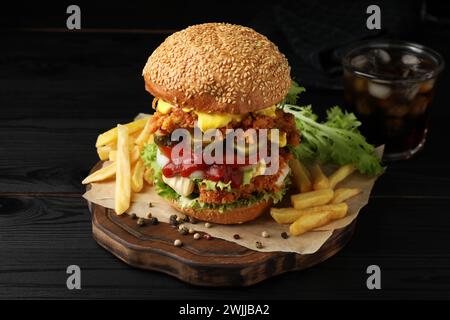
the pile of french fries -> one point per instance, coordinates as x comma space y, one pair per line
122, 147
319, 202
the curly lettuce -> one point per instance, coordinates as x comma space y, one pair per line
148, 155
336, 140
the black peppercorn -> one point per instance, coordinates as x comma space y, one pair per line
236, 236
154, 220
259, 245
192, 220
133, 216
284, 235
184, 231
173, 220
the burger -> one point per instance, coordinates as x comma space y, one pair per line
218, 76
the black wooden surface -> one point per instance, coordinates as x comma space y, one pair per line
59, 91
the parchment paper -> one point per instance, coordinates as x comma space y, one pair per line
103, 194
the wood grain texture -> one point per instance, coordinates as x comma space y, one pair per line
58, 91
41, 236
215, 262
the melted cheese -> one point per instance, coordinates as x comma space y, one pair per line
208, 121
282, 140
270, 111
163, 107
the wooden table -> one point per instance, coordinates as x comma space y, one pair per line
59, 91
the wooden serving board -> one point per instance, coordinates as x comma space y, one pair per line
214, 262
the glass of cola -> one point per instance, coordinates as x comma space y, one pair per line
389, 85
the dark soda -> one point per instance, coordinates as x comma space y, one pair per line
390, 87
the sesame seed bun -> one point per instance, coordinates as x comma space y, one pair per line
232, 216
218, 68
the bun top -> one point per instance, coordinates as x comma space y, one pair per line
218, 68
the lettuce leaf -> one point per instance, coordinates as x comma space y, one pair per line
336, 140
185, 202
216, 185
148, 155
294, 92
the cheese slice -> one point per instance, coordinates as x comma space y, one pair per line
163, 107
208, 121
270, 111
282, 140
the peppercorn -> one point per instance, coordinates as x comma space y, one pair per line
186, 219
207, 225
150, 205
154, 220
141, 222
197, 236
259, 245
184, 231
177, 243
264, 234
173, 220
207, 236
149, 215
191, 231
192, 220
284, 235
236, 236
133, 216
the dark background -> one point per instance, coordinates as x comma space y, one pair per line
60, 89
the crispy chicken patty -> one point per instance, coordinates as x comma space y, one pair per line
177, 118
258, 184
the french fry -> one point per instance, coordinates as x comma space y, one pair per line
137, 176
150, 138
148, 176
135, 154
123, 175
301, 176
112, 155
340, 174
319, 180
103, 152
145, 133
342, 194
290, 215
101, 174
111, 135
315, 220
312, 198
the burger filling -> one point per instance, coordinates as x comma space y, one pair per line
220, 186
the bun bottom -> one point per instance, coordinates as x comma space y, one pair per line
233, 216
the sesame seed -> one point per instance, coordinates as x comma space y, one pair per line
219, 57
